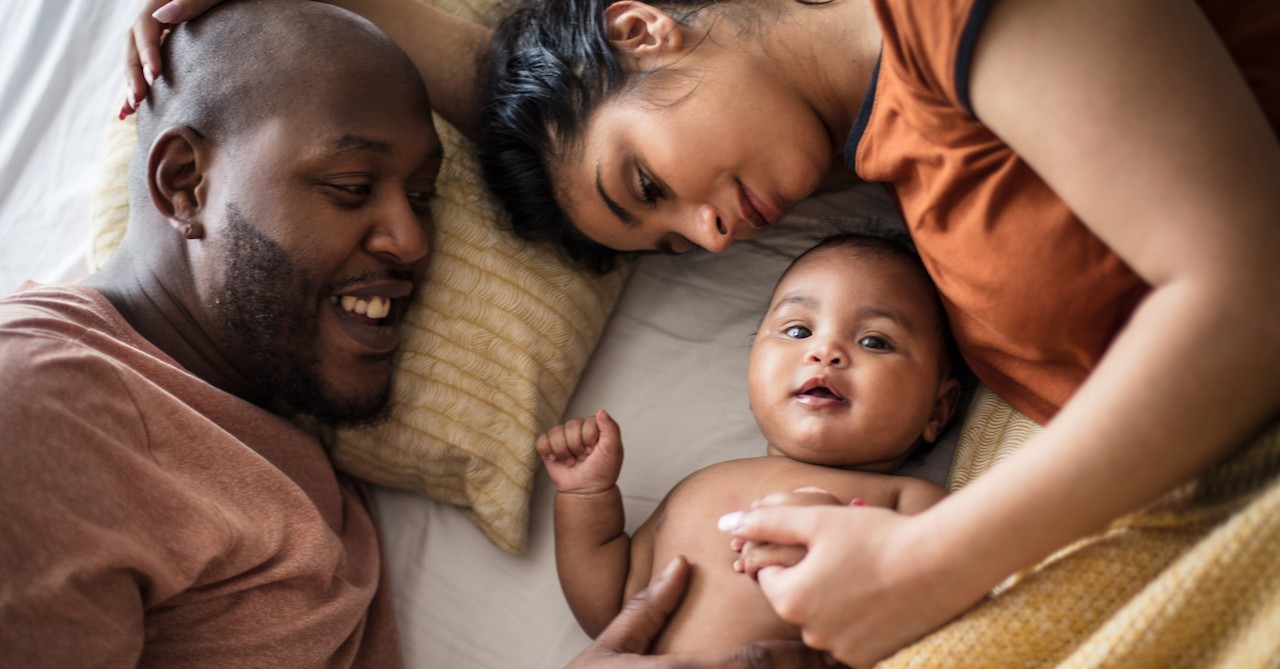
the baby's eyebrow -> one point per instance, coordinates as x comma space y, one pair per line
877, 311
800, 299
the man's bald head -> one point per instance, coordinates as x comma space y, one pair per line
249, 60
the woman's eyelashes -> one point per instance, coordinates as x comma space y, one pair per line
650, 192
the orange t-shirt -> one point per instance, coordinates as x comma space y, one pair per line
151, 519
1034, 298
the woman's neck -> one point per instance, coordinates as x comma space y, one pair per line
831, 51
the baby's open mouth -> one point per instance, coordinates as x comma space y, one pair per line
825, 393
818, 390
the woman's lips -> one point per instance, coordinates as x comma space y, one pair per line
755, 210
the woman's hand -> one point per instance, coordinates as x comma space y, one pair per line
142, 46
624, 642
870, 583
756, 555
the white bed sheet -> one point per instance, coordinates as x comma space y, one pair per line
60, 78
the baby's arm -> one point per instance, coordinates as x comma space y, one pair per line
583, 458
916, 495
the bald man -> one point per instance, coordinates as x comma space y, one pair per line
160, 505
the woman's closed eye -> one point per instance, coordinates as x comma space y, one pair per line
650, 192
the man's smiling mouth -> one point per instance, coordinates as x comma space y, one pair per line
374, 308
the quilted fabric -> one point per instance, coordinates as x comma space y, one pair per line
1192, 581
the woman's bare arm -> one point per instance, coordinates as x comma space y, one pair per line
446, 48
1134, 113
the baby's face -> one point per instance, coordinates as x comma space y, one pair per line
845, 368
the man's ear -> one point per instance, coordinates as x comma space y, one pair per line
175, 179
640, 30
944, 405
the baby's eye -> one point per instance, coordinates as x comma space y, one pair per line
798, 332
874, 343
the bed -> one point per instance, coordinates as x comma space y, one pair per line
668, 360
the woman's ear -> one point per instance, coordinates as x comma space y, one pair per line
175, 179
944, 405
639, 29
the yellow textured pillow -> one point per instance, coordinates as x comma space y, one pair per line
492, 349
992, 431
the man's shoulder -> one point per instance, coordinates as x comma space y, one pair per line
55, 310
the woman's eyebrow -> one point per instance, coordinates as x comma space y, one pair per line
628, 219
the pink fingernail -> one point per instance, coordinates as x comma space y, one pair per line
858, 501
168, 13
729, 521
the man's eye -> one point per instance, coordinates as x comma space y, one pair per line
875, 343
350, 191
649, 191
798, 332
421, 201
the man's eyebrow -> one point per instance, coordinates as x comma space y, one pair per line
356, 143
628, 219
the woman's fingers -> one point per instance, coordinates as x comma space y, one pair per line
142, 45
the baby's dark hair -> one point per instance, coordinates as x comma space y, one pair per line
550, 67
897, 247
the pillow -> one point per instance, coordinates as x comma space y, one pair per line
492, 349
992, 430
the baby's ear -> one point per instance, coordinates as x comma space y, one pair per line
640, 30
175, 179
944, 405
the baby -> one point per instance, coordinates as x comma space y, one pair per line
850, 373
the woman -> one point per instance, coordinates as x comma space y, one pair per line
1091, 184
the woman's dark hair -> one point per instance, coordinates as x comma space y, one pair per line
550, 66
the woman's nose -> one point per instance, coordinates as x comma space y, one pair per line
713, 232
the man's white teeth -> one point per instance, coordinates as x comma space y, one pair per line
373, 308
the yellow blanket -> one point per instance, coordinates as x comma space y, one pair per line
1193, 581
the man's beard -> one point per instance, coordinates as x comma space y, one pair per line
272, 327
